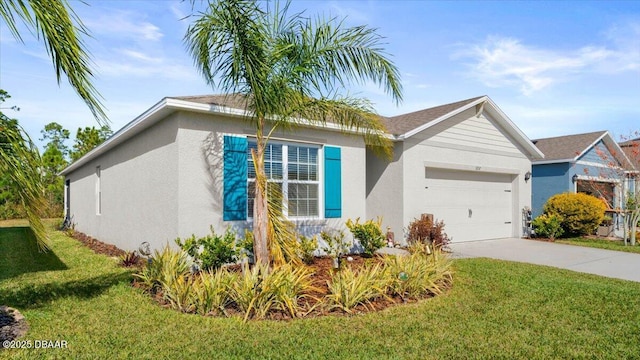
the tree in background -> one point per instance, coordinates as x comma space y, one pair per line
87, 139
54, 158
289, 69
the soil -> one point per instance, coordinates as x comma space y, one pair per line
12, 324
98, 246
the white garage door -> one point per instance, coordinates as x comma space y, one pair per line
473, 205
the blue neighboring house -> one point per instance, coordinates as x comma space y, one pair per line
591, 163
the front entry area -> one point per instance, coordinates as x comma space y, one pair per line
473, 205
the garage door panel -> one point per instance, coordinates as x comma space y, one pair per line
473, 205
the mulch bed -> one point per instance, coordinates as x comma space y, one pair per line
322, 271
98, 246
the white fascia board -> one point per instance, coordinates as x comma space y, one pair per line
442, 118
546, 162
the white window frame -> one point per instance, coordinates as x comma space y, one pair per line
285, 174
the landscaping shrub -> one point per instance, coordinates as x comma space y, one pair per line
580, 214
369, 234
259, 291
425, 231
130, 259
337, 246
307, 248
211, 291
211, 251
348, 288
418, 274
549, 226
163, 267
178, 293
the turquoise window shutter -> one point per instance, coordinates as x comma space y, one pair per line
235, 178
332, 183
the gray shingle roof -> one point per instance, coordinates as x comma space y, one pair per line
631, 148
396, 125
401, 124
566, 147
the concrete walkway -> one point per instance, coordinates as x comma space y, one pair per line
615, 264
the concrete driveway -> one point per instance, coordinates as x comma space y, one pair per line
615, 264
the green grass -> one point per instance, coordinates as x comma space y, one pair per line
496, 309
617, 245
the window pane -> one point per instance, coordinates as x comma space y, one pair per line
313, 172
304, 155
276, 170
293, 172
303, 172
293, 154
313, 155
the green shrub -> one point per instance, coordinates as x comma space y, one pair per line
163, 267
259, 291
211, 251
418, 274
369, 234
348, 288
427, 232
337, 246
580, 214
178, 293
308, 245
549, 226
211, 291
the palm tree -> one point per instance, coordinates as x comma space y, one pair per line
55, 22
19, 158
289, 68
59, 27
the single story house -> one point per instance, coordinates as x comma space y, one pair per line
591, 163
183, 166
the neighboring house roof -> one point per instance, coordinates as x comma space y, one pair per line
400, 127
569, 148
631, 148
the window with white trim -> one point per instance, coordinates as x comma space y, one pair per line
292, 172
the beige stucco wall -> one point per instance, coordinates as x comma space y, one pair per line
166, 182
463, 140
138, 182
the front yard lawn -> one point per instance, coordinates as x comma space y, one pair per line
617, 245
496, 309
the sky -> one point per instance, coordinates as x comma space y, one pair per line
555, 68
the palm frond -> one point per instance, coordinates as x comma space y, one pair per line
19, 157
60, 29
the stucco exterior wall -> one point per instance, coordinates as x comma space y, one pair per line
166, 182
200, 165
138, 183
385, 192
481, 146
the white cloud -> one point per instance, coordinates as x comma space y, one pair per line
508, 62
125, 24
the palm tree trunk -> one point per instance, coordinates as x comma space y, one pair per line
260, 205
